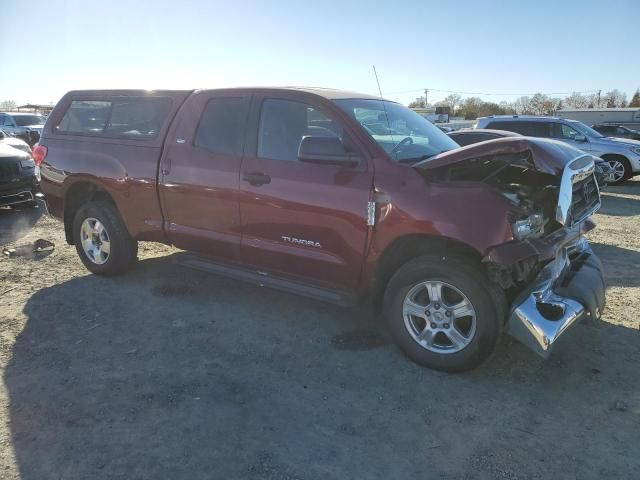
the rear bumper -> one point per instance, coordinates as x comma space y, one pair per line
566, 290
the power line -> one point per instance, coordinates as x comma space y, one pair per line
487, 93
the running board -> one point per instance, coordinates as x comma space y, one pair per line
263, 279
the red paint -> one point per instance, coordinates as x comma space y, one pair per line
171, 191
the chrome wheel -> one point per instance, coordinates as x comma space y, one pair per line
95, 241
618, 171
439, 317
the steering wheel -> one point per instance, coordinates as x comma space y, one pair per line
403, 142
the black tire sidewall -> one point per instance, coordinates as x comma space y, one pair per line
122, 249
462, 274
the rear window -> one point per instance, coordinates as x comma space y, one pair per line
136, 118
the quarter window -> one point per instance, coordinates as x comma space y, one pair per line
222, 126
283, 123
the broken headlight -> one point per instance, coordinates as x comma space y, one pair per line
531, 226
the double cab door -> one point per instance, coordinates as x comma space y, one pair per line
233, 187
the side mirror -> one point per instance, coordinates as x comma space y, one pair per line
580, 138
326, 151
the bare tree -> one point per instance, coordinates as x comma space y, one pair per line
576, 100
418, 103
8, 105
615, 99
635, 100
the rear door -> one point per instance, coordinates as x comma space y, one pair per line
302, 221
199, 173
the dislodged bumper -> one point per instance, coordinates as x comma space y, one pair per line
567, 289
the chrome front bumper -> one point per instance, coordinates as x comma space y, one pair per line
567, 289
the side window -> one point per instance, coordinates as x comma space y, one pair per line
530, 129
223, 125
137, 117
85, 117
8, 121
283, 123
563, 131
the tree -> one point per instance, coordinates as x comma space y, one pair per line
452, 101
8, 105
635, 100
615, 99
576, 100
522, 106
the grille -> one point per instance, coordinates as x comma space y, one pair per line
584, 199
9, 170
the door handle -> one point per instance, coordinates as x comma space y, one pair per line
256, 179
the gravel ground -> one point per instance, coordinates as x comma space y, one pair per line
172, 373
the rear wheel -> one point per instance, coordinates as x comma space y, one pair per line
444, 313
620, 168
102, 240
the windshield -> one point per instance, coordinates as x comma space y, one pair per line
585, 130
24, 120
401, 132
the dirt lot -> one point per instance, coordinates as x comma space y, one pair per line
170, 373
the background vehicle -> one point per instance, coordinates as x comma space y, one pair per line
466, 137
623, 156
18, 182
338, 196
617, 131
628, 117
14, 142
26, 126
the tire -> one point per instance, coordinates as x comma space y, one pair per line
618, 163
101, 221
460, 281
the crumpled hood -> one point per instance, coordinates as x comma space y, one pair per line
548, 156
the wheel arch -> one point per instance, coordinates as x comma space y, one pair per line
77, 195
404, 248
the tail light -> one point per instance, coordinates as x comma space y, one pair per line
39, 154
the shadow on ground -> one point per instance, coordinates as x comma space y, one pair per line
619, 206
169, 373
624, 262
15, 223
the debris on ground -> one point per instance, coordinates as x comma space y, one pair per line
30, 250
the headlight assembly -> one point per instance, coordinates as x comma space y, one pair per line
531, 226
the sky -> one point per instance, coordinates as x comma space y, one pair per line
500, 47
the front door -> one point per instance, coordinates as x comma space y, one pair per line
303, 221
199, 174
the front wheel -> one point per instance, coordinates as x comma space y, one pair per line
102, 240
443, 312
620, 169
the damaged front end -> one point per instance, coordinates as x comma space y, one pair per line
547, 268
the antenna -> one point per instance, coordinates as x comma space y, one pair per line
377, 81
384, 107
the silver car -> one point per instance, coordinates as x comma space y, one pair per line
622, 155
27, 126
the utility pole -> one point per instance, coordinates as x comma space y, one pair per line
599, 98
426, 96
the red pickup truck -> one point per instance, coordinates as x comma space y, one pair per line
338, 196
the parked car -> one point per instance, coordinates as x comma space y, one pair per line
469, 136
14, 142
623, 156
291, 188
26, 126
18, 182
617, 131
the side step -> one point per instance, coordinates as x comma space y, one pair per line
263, 279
